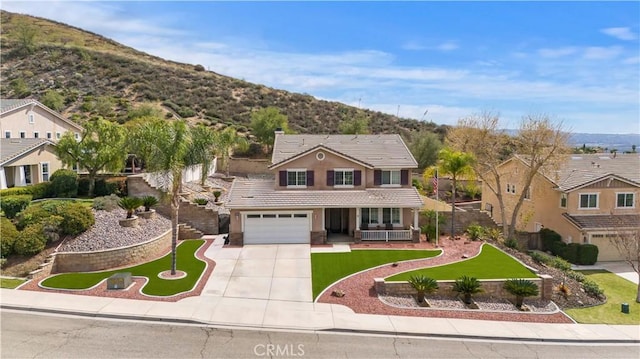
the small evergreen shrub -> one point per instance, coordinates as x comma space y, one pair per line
511, 243
148, 202
541, 257
130, 204
83, 187
40, 190
12, 205
14, 191
558, 248
592, 288
200, 201
31, 240
106, 203
76, 219
571, 252
561, 264
51, 227
64, 184
587, 254
9, 235
548, 237
475, 231
577, 276
494, 234
32, 215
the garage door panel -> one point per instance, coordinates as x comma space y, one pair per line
606, 251
277, 228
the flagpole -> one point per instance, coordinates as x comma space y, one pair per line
437, 233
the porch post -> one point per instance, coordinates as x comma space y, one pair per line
19, 178
415, 218
324, 225
3, 179
358, 216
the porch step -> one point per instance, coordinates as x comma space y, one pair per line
187, 232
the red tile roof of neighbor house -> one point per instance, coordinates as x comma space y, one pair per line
261, 194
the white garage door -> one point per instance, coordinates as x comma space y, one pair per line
606, 251
276, 228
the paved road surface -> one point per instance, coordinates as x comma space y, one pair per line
32, 335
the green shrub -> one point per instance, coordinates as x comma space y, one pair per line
592, 288
40, 190
64, 183
109, 186
494, 234
423, 285
541, 257
31, 240
130, 204
32, 215
561, 264
521, 288
467, 286
511, 243
577, 276
200, 201
571, 252
106, 203
14, 191
587, 254
12, 205
76, 218
558, 248
83, 187
148, 202
9, 235
548, 237
475, 231
51, 227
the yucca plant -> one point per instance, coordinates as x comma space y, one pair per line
148, 201
423, 285
130, 204
467, 285
521, 288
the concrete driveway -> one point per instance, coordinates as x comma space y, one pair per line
623, 269
272, 272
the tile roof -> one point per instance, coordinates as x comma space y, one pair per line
377, 150
11, 148
10, 104
582, 169
604, 221
261, 194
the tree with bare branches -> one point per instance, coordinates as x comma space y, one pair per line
627, 243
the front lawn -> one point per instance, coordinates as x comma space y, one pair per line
10, 283
491, 263
618, 290
327, 268
186, 262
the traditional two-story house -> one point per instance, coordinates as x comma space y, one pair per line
29, 131
590, 198
329, 185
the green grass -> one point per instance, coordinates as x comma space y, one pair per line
618, 290
491, 263
10, 283
327, 268
186, 262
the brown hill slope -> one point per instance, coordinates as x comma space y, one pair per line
97, 75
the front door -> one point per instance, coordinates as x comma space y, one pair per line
338, 220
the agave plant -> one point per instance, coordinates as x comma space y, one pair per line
130, 204
148, 201
423, 285
467, 285
521, 288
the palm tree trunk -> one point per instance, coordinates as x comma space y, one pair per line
453, 207
519, 301
174, 234
420, 297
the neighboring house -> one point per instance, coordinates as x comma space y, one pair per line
29, 131
590, 198
328, 186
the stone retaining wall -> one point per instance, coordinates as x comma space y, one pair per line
112, 258
491, 288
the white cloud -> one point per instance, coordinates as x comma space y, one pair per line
447, 46
558, 52
602, 53
417, 46
620, 33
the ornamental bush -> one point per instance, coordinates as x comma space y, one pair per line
592, 288
571, 252
587, 254
548, 237
64, 184
106, 203
31, 240
12, 205
9, 236
558, 248
76, 218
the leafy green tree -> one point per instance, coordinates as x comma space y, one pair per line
425, 147
359, 125
53, 100
264, 123
101, 148
227, 141
25, 35
19, 87
164, 146
144, 110
457, 165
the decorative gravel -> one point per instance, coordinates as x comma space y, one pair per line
107, 233
491, 304
215, 183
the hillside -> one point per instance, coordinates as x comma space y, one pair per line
98, 76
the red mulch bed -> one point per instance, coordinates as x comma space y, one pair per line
133, 292
361, 296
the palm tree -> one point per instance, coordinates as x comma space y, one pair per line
226, 141
130, 204
457, 165
202, 150
467, 285
148, 201
423, 285
164, 146
521, 288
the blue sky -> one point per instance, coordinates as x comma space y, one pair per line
578, 62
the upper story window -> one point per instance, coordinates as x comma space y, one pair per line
296, 178
625, 200
588, 200
23, 134
49, 135
32, 119
342, 177
58, 135
36, 134
7, 134
391, 177
563, 200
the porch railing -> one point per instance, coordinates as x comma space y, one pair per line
385, 235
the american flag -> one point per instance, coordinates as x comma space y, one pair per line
435, 183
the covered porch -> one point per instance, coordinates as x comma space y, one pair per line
371, 224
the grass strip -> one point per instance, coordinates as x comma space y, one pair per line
327, 268
491, 263
618, 290
186, 261
10, 283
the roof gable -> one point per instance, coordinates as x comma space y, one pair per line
10, 105
376, 151
316, 149
11, 149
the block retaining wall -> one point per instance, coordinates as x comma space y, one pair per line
492, 288
112, 258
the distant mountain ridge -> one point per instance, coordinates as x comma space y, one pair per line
621, 142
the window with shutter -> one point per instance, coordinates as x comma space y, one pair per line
330, 178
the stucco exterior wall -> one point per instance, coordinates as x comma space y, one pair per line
44, 122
